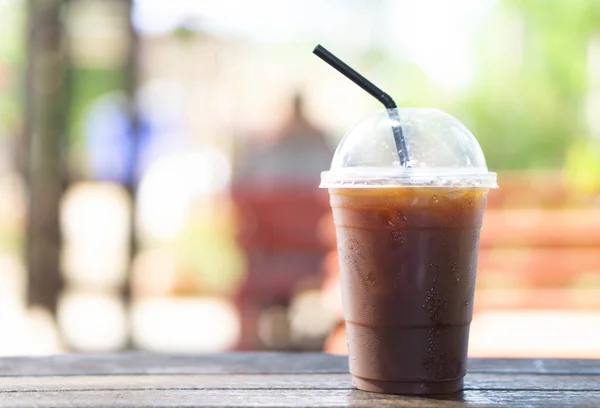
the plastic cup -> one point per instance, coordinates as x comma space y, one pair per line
408, 240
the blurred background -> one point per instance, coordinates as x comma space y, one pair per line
159, 163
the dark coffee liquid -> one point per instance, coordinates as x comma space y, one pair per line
408, 260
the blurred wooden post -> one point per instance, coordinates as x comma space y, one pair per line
45, 118
131, 83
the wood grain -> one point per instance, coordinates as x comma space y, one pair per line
252, 363
149, 363
293, 398
275, 379
500, 382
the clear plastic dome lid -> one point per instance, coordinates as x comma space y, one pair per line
441, 152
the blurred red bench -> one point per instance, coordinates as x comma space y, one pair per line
278, 231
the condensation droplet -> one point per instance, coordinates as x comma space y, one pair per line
435, 305
454, 194
432, 264
435, 198
397, 239
455, 274
466, 303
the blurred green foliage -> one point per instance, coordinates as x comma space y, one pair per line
582, 167
207, 252
88, 85
12, 57
526, 103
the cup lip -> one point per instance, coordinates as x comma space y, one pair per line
392, 178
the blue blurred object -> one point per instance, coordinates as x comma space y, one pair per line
116, 153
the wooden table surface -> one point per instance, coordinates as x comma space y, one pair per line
275, 379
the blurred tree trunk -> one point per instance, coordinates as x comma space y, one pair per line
131, 84
45, 134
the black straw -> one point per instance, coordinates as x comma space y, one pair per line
374, 91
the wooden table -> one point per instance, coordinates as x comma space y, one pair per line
274, 379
